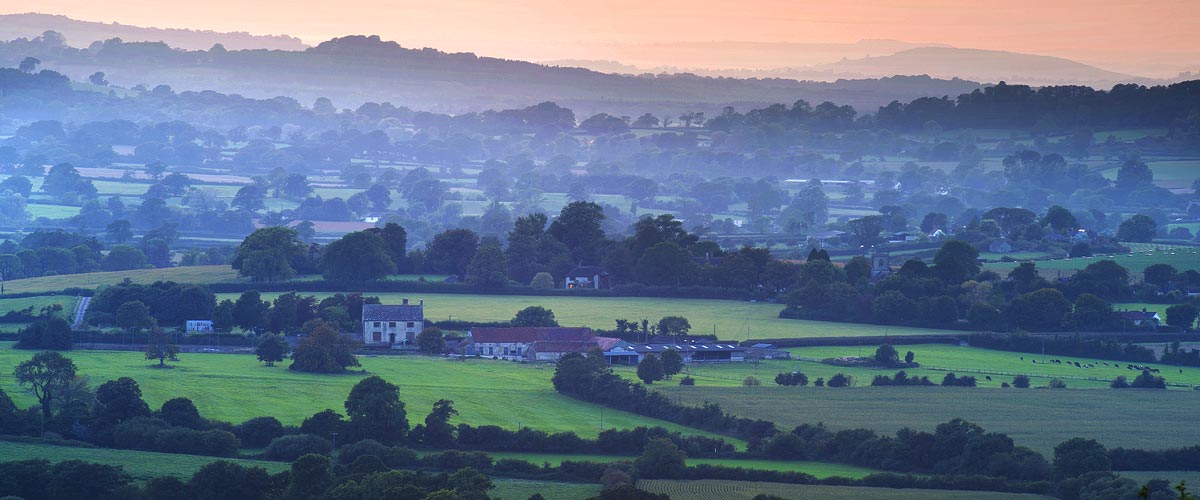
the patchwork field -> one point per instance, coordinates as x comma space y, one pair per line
235, 387
1037, 418
729, 319
709, 489
68, 302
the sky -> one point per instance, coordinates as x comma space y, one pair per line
1097, 31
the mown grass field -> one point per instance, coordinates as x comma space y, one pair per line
1037, 418
730, 319
937, 359
1182, 257
710, 489
67, 301
818, 469
235, 387
191, 274
141, 465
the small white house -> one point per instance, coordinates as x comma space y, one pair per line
199, 325
392, 325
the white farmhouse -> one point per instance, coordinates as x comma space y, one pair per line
392, 325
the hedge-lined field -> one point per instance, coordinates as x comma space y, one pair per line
730, 319
190, 274
818, 469
142, 465
1037, 418
235, 387
710, 489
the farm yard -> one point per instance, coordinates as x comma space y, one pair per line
1037, 418
235, 387
709, 489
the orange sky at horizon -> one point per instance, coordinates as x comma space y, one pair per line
1090, 30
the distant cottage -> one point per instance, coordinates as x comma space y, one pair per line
393, 326
594, 277
199, 325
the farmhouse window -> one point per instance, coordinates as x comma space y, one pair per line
410, 324
376, 324
378, 337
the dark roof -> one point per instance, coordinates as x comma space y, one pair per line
530, 334
381, 312
587, 271
659, 348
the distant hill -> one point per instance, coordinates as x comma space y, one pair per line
82, 33
357, 69
979, 65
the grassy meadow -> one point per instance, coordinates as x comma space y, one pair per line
711, 489
190, 274
1037, 418
730, 319
236, 387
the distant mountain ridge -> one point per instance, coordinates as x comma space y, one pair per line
82, 33
980, 65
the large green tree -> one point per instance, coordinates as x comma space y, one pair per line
451, 251
47, 376
578, 226
376, 411
358, 256
270, 254
487, 270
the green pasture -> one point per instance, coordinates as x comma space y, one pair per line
51, 211
1182, 257
236, 387
142, 465
1037, 418
68, 302
938, 359
729, 319
190, 274
818, 469
712, 489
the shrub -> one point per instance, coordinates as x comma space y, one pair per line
259, 431
1057, 383
794, 378
289, 448
1148, 381
190, 441
841, 380
1120, 382
347, 454
686, 380
1021, 381
751, 382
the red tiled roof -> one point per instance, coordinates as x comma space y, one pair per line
530, 334
574, 346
